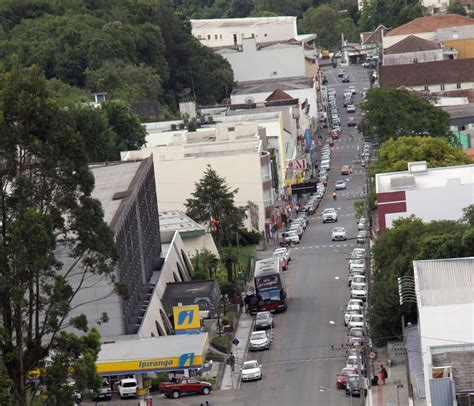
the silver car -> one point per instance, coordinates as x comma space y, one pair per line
259, 340
264, 320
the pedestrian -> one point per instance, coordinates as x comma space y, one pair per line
383, 374
232, 361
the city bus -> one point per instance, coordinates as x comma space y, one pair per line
269, 286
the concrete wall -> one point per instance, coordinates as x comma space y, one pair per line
273, 62
439, 88
441, 326
410, 57
218, 34
452, 199
193, 244
465, 47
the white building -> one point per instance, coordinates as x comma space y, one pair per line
445, 299
237, 152
225, 32
419, 190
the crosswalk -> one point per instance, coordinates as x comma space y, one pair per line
315, 247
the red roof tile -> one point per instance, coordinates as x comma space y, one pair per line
278, 95
427, 73
411, 43
430, 24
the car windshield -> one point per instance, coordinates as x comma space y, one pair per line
355, 332
339, 229
250, 365
358, 261
129, 384
262, 316
258, 335
270, 295
327, 211
356, 318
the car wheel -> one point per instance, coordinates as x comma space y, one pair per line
175, 394
205, 391
261, 376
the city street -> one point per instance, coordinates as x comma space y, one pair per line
306, 351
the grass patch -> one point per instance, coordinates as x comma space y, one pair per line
221, 343
245, 253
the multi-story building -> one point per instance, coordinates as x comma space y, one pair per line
412, 192
237, 152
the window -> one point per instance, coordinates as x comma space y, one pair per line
415, 60
160, 331
441, 86
230, 129
208, 36
166, 323
427, 89
264, 35
187, 263
199, 36
180, 272
458, 85
152, 334
175, 277
216, 36
220, 36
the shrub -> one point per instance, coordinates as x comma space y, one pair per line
221, 343
155, 382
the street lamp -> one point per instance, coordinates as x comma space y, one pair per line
324, 389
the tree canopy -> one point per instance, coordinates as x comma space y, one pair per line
46, 207
394, 252
394, 154
131, 49
390, 13
328, 24
455, 7
392, 113
212, 203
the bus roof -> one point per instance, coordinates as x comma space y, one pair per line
267, 266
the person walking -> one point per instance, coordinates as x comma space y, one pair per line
232, 361
383, 374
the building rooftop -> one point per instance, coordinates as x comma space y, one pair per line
431, 178
444, 282
176, 220
112, 184
240, 22
264, 86
374, 37
412, 43
427, 73
278, 95
459, 111
430, 24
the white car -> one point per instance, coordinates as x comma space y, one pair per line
259, 340
329, 215
356, 320
358, 253
251, 371
362, 223
351, 108
353, 274
326, 164
353, 309
359, 280
353, 361
352, 89
359, 293
355, 302
283, 251
127, 387
357, 264
339, 234
340, 185
292, 236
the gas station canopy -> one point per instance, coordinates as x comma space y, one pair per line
155, 354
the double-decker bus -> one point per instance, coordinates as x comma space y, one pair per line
269, 285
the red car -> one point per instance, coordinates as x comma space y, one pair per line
351, 122
184, 384
343, 377
335, 134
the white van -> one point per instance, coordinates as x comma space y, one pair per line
127, 387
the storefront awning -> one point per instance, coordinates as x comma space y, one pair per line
155, 354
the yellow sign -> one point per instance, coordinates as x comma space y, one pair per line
188, 360
186, 318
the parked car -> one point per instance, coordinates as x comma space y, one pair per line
359, 292
127, 387
355, 302
356, 320
358, 253
357, 264
340, 185
355, 335
259, 340
251, 370
341, 73
347, 101
346, 79
184, 384
353, 309
291, 236
353, 360
281, 257
329, 214
104, 392
351, 122
264, 320
351, 108
343, 376
338, 234
345, 170
361, 237
362, 223
352, 89
285, 252
353, 386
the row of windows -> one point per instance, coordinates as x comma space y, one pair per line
219, 36
442, 87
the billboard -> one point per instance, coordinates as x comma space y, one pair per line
186, 319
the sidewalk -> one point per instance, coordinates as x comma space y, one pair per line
231, 380
386, 395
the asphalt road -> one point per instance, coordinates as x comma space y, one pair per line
306, 350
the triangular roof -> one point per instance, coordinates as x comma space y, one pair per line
375, 36
412, 43
278, 95
431, 24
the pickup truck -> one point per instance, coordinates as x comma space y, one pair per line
184, 384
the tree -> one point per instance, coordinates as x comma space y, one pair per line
322, 21
212, 203
391, 113
46, 206
204, 263
394, 154
283, 7
130, 134
455, 7
229, 259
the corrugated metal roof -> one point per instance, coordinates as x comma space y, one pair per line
443, 282
415, 359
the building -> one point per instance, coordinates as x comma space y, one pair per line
445, 300
372, 41
225, 32
182, 162
461, 123
413, 49
427, 28
127, 192
272, 60
433, 77
402, 194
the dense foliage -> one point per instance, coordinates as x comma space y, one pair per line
394, 154
46, 207
131, 49
392, 113
394, 252
212, 203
